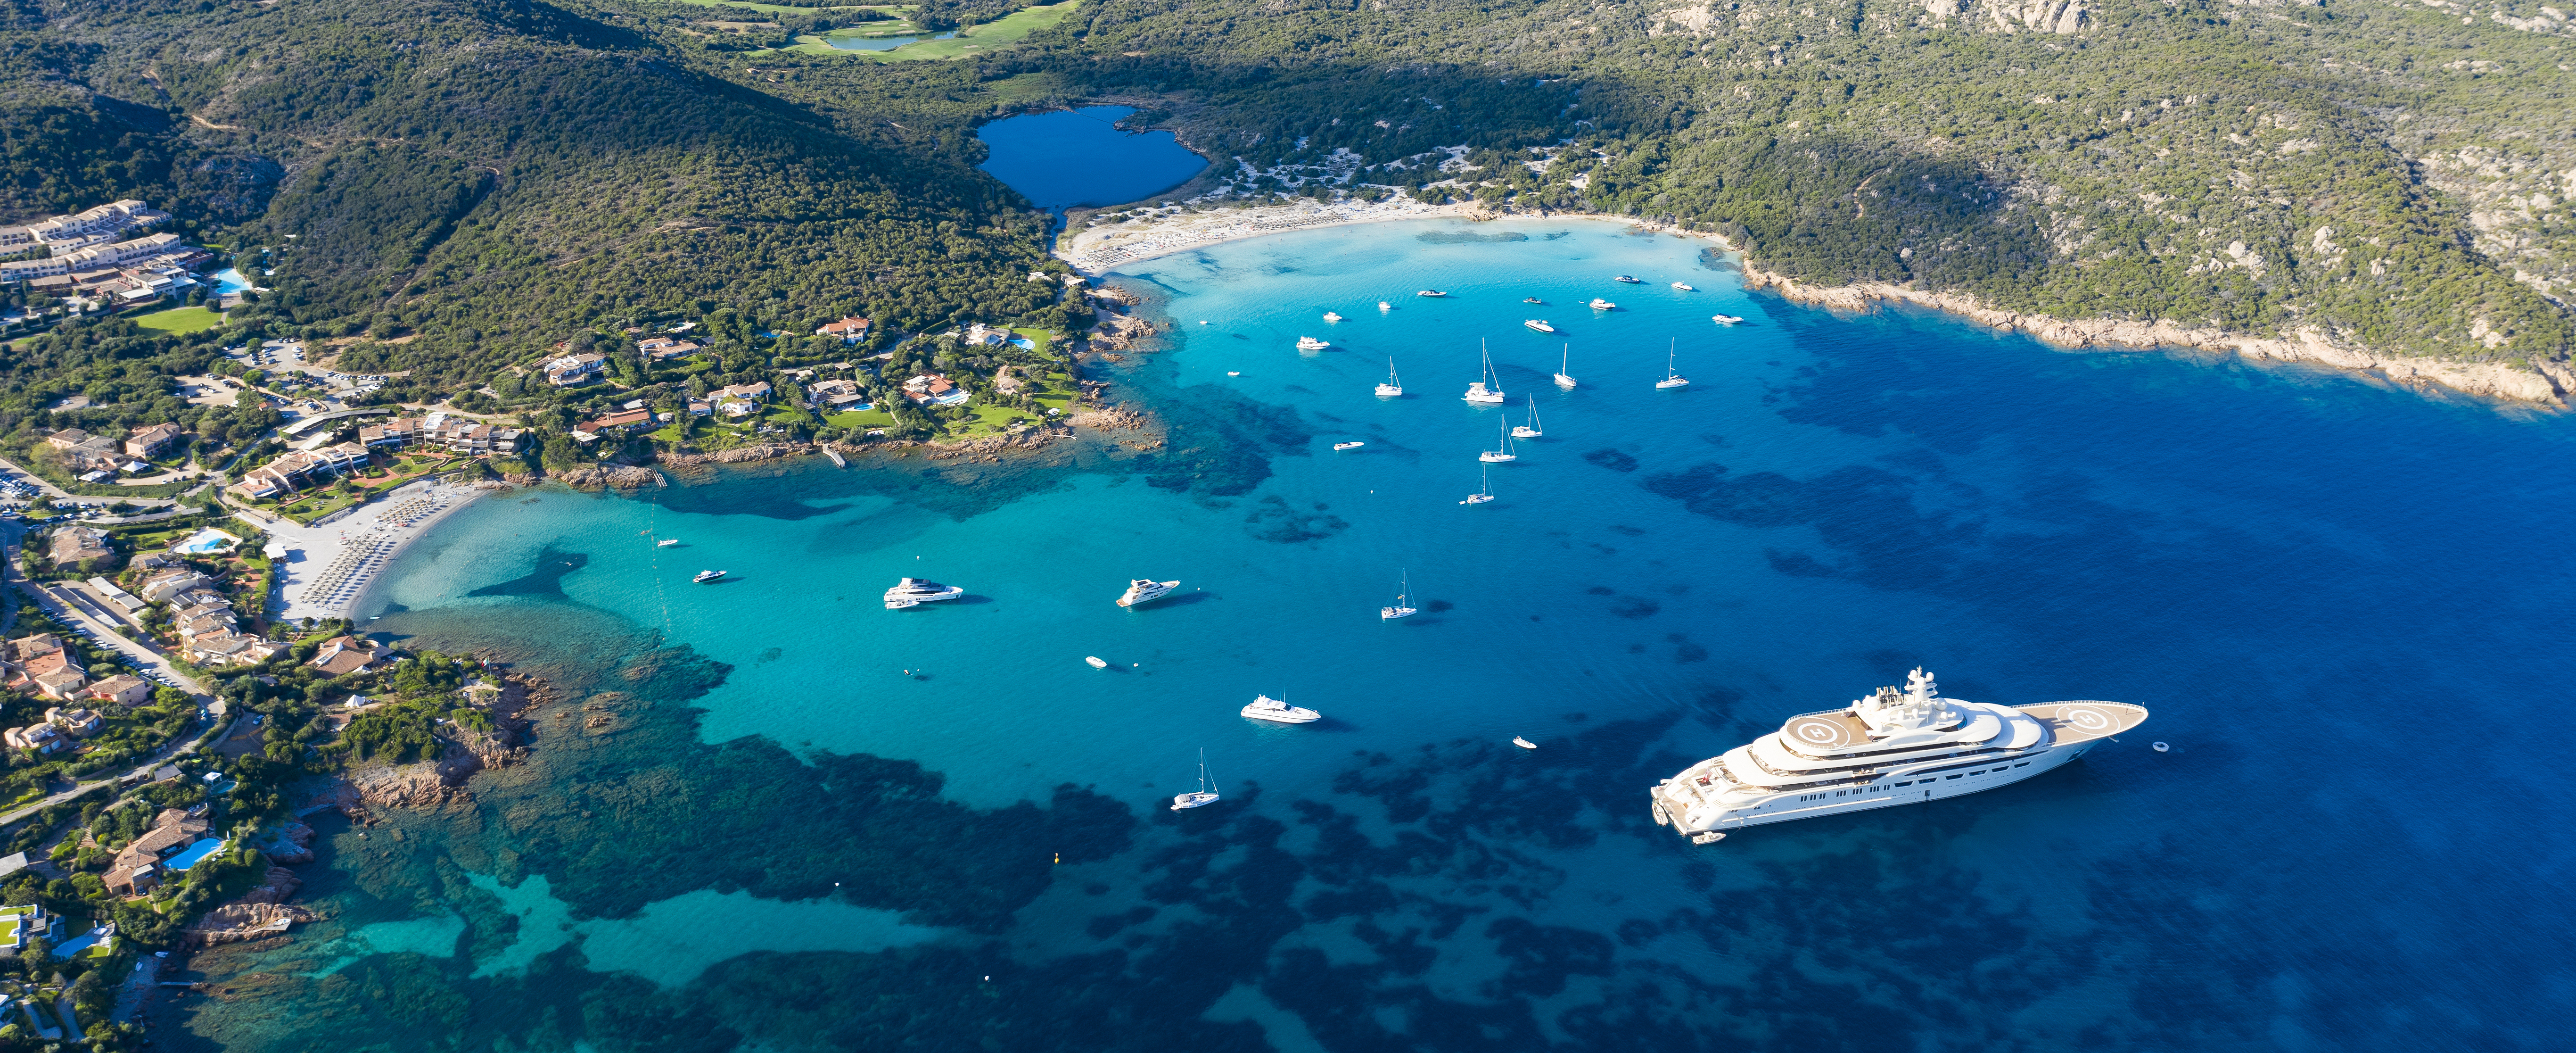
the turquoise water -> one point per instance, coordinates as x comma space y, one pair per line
1065, 158
778, 816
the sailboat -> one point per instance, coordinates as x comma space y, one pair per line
1529, 430
1478, 392
1483, 493
1206, 793
1671, 379
1502, 450
1562, 380
1403, 586
1393, 388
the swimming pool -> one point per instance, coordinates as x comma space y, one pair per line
194, 853
206, 541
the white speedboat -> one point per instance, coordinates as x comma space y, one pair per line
1502, 451
1331, 317
705, 576
1890, 748
913, 592
1399, 609
1264, 707
1433, 294
1684, 286
1627, 279
1308, 343
1488, 389
1724, 319
1393, 388
1540, 324
1146, 590
1599, 304
1529, 430
1671, 379
1484, 491
1523, 743
1562, 380
666, 543
1384, 306
1094, 662
1340, 446
1206, 792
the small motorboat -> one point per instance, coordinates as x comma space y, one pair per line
1523, 743
1629, 279
1684, 286
1146, 590
1433, 294
1340, 446
1264, 707
666, 543
1308, 343
1532, 299
900, 605
1385, 306
1599, 304
705, 576
1724, 319
1331, 317
1232, 373
1540, 324
1094, 662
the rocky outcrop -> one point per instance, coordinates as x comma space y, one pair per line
245, 920
2548, 382
290, 845
278, 887
737, 455
612, 477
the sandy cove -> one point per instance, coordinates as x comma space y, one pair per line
2548, 383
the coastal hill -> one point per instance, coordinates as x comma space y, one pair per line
469, 182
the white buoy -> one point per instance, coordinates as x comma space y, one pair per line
2161, 747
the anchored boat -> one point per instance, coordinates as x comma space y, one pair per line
1264, 707
705, 576
1146, 590
1540, 324
1308, 343
1206, 792
1479, 392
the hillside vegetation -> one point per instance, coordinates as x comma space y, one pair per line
478, 179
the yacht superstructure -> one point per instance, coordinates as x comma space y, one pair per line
1890, 748
1146, 590
913, 592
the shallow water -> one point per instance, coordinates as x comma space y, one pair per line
807, 822
1065, 158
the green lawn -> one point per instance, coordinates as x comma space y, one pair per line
861, 419
180, 320
987, 37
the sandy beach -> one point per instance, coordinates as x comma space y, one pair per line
328, 569
1095, 250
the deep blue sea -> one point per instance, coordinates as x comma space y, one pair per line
1067, 158
776, 816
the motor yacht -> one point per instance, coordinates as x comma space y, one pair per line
1724, 319
1433, 294
1352, 445
913, 592
1264, 707
1145, 590
1684, 286
1331, 317
1308, 343
1540, 324
1599, 304
705, 576
1888, 749
1627, 279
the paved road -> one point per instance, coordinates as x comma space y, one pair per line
50, 490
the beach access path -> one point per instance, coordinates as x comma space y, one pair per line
326, 569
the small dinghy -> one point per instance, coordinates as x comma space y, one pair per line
1094, 662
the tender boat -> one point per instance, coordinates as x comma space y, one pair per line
1890, 748
1434, 294
1671, 379
1340, 446
1532, 299
1206, 793
1094, 662
1529, 430
1331, 317
1484, 492
1502, 450
1562, 380
1684, 286
1264, 707
1724, 319
1523, 743
1627, 279
913, 592
1398, 609
666, 543
1482, 394
1146, 590
707, 576
1393, 388
1308, 343
902, 605
1599, 304
1540, 324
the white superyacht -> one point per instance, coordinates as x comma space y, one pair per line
1890, 748
1142, 591
913, 592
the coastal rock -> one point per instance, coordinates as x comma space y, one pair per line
2549, 382
235, 922
613, 477
737, 455
290, 845
278, 887
426, 784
